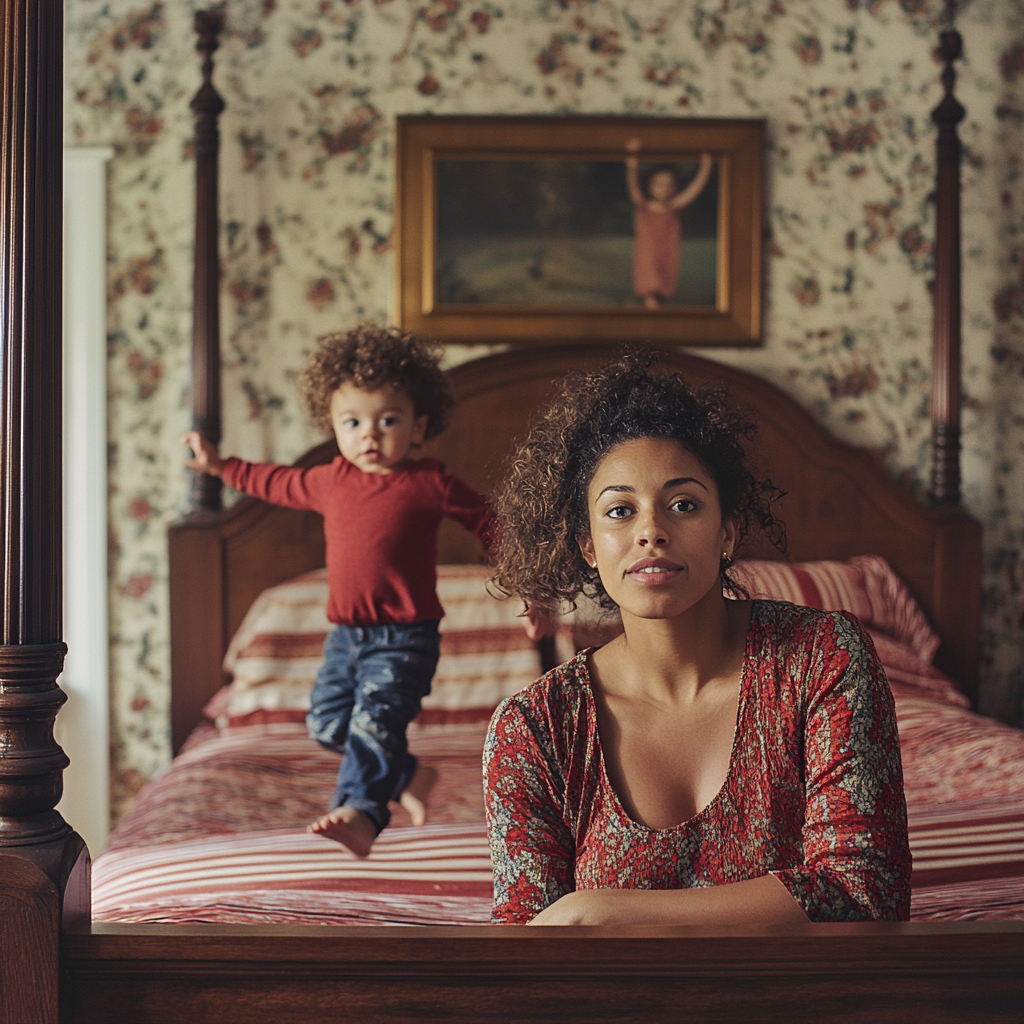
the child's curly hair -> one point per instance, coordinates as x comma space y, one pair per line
541, 506
372, 357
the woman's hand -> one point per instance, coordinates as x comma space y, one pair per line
205, 457
763, 900
585, 906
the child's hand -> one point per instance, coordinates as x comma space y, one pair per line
633, 145
205, 457
538, 622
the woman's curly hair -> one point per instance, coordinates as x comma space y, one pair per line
541, 505
372, 357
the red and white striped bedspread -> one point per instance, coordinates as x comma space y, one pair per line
220, 836
964, 779
438, 874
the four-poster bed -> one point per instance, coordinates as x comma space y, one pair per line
58, 966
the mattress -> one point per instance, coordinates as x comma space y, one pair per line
220, 836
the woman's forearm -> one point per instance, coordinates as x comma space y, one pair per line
762, 900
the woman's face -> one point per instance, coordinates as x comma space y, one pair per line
656, 529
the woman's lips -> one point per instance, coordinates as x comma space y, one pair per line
653, 571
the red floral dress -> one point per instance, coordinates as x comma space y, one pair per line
813, 794
656, 244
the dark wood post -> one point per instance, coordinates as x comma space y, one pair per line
960, 542
43, 864
947, 115
207, 106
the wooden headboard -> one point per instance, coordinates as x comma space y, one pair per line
839, 503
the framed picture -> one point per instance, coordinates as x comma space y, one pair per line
536, 229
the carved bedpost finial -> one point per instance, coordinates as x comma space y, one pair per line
207, 106
945, 489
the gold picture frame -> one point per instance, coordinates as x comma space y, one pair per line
527, 230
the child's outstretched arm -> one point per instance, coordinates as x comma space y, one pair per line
205, 457
696, 186
636, 195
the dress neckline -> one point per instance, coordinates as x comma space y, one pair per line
741, 705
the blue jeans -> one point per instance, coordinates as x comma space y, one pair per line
367, 691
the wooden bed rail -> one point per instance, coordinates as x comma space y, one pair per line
839, 973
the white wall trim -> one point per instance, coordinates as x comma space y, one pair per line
83, 725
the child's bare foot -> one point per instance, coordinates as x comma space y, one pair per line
417, 793
353, 829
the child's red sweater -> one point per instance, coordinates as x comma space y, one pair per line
380, 529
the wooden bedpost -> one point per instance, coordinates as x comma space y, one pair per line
946, 297
207, 106
189, 617
43, 863
959, 544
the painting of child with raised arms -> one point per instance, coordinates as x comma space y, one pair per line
657, 235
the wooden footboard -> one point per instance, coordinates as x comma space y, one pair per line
838, 973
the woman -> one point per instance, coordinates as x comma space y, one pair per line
722, 761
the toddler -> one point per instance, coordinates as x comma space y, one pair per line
383, 393
657, 237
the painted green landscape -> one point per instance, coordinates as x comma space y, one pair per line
557, 233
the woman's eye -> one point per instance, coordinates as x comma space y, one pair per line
683, 505
619, 512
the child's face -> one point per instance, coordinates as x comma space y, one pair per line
662, 185
375, 429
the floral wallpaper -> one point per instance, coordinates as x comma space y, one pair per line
313, 88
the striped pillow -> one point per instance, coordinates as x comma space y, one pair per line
865, 585
274, 657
